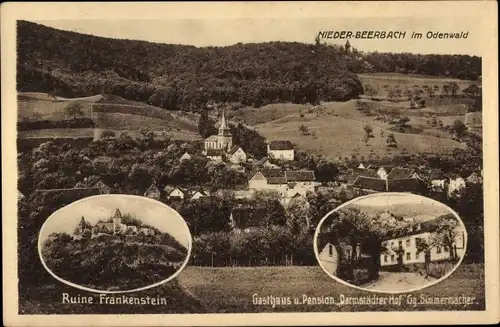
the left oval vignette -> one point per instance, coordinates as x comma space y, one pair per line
115, 243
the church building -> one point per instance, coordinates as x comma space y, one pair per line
223, 140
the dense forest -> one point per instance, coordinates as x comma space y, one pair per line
115, 262
182, 77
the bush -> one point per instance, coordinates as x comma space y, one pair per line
361, 276
439, 269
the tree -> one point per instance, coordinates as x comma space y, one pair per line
317, 40
366, 139
472, 90
73, 109
205, 125
404, 121
303, 130
391, 141
458, 128
445, 235
454, 88
368, 130
446, 89
107, 134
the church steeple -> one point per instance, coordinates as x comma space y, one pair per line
223, 128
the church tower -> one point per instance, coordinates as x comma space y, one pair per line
81, 226
224, 138
347, 47
117, 221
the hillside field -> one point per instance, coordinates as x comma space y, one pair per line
336, 130
110, 112
230, 289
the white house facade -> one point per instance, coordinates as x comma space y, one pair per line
176, 193
282, 150
236, 155
406, 245
329, 258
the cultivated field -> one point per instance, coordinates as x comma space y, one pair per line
231, 289
109, 112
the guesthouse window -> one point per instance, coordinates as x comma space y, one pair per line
400, 243
330, 250
408, 243
408, 256
393, 258
438, 249
385, 258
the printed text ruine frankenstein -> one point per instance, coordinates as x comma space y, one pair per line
109, 299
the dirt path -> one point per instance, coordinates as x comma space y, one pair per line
390, 281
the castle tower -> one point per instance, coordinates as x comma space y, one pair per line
117, 221
347, 47
81, 225
224, 138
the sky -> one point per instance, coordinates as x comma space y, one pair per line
388, 200
103, 207
227, 31
394, 199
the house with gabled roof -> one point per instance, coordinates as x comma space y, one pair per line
384, 171
214, 154
403, 173
265, 163
268, 179
413, 185
201, 193
185, 156
105, 189
402, 245
474, 178
174, 193
370, 184
281, 149
153, 192
236, 155
301, 179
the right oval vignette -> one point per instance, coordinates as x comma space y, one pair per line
390, 242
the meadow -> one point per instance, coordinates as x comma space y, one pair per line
335, 130
231, 289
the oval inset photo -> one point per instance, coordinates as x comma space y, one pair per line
114, 243
390, 242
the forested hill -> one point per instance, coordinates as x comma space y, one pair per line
184, 77
179, 76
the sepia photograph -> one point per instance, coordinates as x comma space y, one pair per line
244, 165
391, 242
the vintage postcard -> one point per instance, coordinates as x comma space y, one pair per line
288, 163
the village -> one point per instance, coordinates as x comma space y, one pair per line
278, 175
